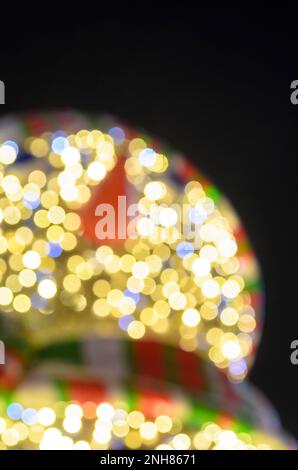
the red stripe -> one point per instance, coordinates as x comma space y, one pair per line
36, 123
149, 359
225, 421
83, 392
240, 234
256, 300
153, 404
12, 371
189, 370
226, 388
185, 170
107, 192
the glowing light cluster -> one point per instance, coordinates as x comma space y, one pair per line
187, 277
164, 284
74, 426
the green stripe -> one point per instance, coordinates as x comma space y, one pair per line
254, 284
6, 396
69, 351
170, 364
131, 397
213, 193
199, 416
241, 426
129, 354
62, 389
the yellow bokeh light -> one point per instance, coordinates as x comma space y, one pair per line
191, 317
22, 303
31, 259
136, 329
47, 288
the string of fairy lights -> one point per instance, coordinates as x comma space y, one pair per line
61, 427
184, 275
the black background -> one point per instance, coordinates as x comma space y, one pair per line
215, 84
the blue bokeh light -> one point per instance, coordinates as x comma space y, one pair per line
117, 134
14, 411
184, 249
54, 250
29, 416
59, 144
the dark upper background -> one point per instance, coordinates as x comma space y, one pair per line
216, 85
